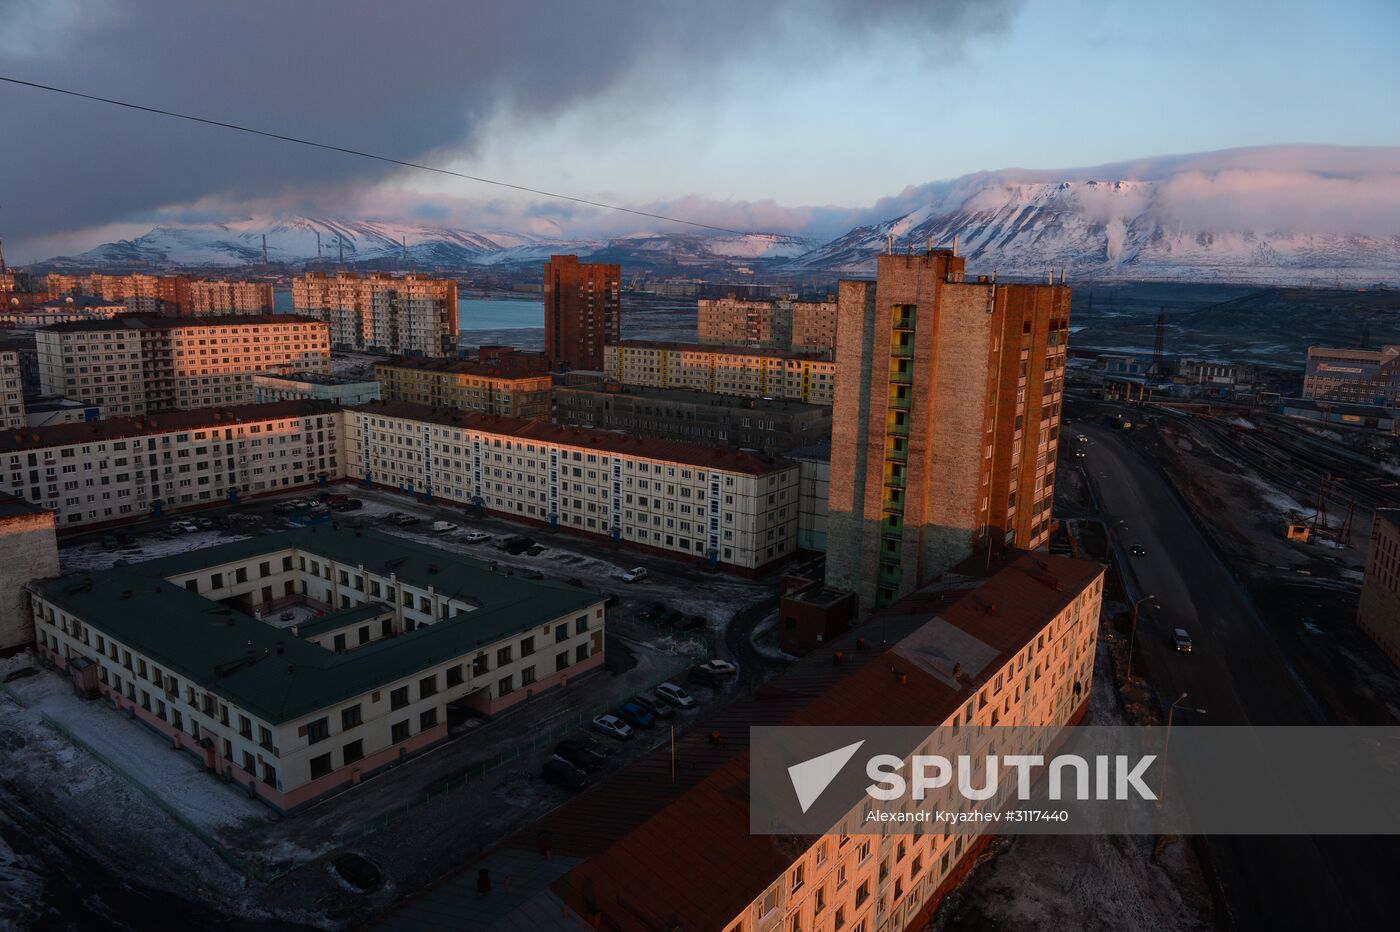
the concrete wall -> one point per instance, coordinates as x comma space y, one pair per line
28, 551
1379, 612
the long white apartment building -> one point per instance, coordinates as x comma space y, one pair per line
734, 508
728, 370
386, 636
124, 469
139, 364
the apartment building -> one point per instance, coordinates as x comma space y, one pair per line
315, 386
127, 468
491, 386
1358, 376
59, 311
1379, 612
387, 635
144, 363
413, 315
582, 311
28, 551
734, 509
770, 426
753, 373
946, 422
1028, 660
803, 326
176, 295
12, 387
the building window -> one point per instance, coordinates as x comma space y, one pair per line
353, 751
350, 718
399, 732
398, 698
318, 730
427, 686
454, 676
320, 766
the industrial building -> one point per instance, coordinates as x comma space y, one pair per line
299, 663
414, 315
730, 508
582, 311
1379, 612
1022, 642
144, 363
730, 370
1357, 376
127, 468
772, 426
496, 385
946, 422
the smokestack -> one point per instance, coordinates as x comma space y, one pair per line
318, 245
889, 244
1050, 277
264, 236
955, 244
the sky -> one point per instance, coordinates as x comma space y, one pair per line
787, 115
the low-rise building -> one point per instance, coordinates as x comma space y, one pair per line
296, 664
732, 508
1022, 644
1379, 612
59, 311
313, 386
28, 551
142, 363
1360, 376
754, 373
772, 426
491, 386
53, 409
127, 468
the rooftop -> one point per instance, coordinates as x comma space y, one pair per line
315, 378
78, 302
603, 441
55, 403
157, 322
11, 507
624, 830
506, 369
278, 677
720, 350
117, 428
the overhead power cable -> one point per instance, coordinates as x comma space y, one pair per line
369, 155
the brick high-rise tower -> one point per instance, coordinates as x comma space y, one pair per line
582, 311
946, 422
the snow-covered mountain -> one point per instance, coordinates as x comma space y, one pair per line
1284, 214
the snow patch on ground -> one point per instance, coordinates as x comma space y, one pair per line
1280, 502
765, 639
93, 557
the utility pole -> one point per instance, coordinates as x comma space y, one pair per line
1321, 514
1344, 532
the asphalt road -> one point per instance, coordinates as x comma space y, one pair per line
1239, 675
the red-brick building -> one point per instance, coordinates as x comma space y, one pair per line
582, 311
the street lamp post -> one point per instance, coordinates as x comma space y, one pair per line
1132, 635
1167, 743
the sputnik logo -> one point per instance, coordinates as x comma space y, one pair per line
811, 777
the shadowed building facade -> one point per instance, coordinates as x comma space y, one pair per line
946, 422
582, 311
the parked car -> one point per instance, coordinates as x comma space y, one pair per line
183, 527
676, 696
613, 727
635, 715
722, 667
442, 527
515, 545
635, 574
705, 676
653, 705
1138, 550
1181, 640
203, 523
348, 504
357, 870
563, 774
406, 520
651, 612
476, 537
578, 754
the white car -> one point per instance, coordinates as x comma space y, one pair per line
476, 537
673, 694
442, 527
613, 727
722, 667
184, 527
634, 574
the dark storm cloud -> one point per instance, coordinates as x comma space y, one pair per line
414, 80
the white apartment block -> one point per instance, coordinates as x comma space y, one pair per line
410, 316
733, 508
123, 469
12, 386
752, 373
387, 635
135, 365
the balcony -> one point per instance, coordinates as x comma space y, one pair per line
901, 402
896, 453
904, 377
889, 573
903, 319
892, 526
902, 350
897, 429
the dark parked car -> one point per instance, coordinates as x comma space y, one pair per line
357, 870
348, 504
516, 545
563, 774
653, 611
635, 715
653, 705
705, 676
578, 754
